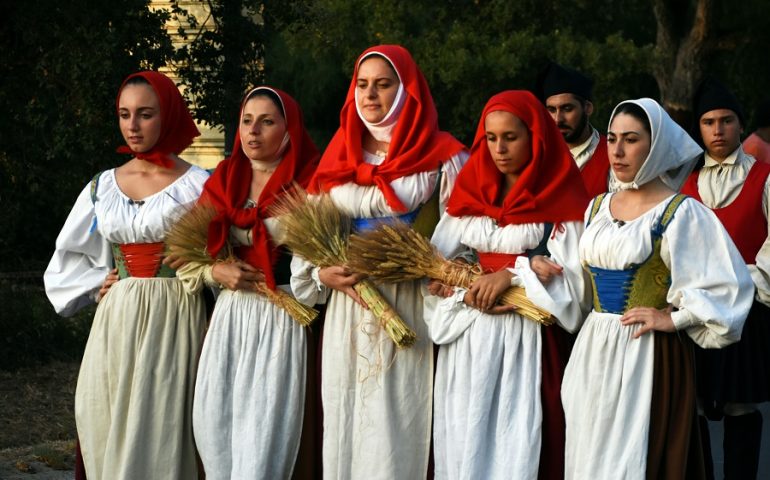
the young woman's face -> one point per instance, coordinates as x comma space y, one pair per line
509, 142
377, 85
139, 117
628, 144
262, 129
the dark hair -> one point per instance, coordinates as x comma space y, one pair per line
269, 94
137, 80
582, 100
635, 111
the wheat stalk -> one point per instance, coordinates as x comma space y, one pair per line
188, 238
395, 252
318, 232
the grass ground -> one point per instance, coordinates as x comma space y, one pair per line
37, 421
38, 404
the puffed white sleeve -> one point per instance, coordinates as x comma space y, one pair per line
567, 296
195, 276
711, 288
450, 169
446, 237
81, 261
305, 284
760, 271
447, 318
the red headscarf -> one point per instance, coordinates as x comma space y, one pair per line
177, 128
549, 188
228, 189
417, 144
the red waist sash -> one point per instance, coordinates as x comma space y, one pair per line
142, 260
494, 262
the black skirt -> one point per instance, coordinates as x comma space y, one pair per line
738, 373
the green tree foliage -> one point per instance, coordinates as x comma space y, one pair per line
32, 334
217, 65
740, 51
471, 49
467, 49
61, 66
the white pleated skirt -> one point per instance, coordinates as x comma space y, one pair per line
607, 393
488, 412
250, 392
133, 400
377, 399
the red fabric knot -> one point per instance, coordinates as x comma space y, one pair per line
218, 233
263, 254
365, 174
228, 189
524, 202
492, 211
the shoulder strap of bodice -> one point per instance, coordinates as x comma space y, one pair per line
95, 186
595, 207
668, 214
430, 212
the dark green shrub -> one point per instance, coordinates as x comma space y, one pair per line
31, 333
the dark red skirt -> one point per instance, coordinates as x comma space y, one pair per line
309, 459
557, 345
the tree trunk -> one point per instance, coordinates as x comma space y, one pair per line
232, 67
681, 50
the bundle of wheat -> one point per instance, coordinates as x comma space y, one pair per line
318, 232
187, 240
394, 252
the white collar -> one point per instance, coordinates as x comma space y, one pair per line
731, 159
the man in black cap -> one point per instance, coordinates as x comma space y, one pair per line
758, 143
567, 95
732, 380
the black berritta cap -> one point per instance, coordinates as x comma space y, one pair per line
713, 95
555, 79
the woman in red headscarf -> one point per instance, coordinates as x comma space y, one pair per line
497, 407
387, 159
250, 390
134, 395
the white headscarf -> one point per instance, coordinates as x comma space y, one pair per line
673, 153
383, 130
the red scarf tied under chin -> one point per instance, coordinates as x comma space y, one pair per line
177, 128
229, 187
